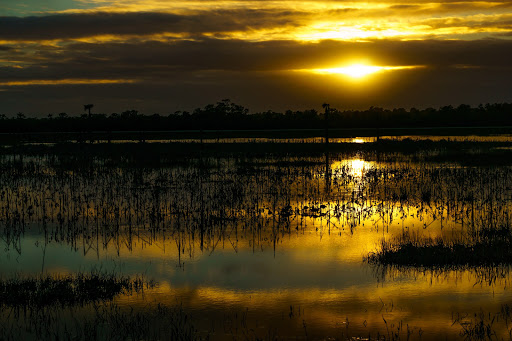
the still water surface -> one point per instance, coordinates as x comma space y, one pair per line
267, 243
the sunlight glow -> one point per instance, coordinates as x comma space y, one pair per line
360, 70
356, 168
356, 70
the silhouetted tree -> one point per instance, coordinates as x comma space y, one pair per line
88, 107
227, 115
327, 108
129, 114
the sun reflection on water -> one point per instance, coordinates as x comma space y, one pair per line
305, 248
358, 140
355, 167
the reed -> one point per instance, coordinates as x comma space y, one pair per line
67, 290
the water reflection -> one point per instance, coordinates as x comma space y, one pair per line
356, 167
320, 139
262, 234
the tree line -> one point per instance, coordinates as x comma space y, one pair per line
226, 115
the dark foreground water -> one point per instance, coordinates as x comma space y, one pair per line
267, 245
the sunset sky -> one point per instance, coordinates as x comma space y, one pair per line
162, 56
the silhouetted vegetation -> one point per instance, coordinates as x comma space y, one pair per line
191, 199
67, 290
486, 325
96, 322
226, 115
489, 247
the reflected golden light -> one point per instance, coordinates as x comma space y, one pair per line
356, 167
358, 140
325, 306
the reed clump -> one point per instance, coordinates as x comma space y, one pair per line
67, 290
486, 247
484, 325
105, 321
99, 200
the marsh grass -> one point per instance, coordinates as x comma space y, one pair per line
107, 321
104, 197
95, 198
486, 325
437, 253
161, 153
67, 290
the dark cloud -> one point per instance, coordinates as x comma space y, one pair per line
499, 22
80, 25
405, 6
270, 90
156, 60
186, 68
418, 10
67, 26
188, 74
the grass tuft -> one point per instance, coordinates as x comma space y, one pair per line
66, 290
488, 247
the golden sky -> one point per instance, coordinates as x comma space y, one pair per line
162, 56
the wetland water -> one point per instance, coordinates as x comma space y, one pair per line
263, 245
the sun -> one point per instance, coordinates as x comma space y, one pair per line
355, 70
359, 70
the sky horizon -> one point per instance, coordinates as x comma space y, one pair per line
161, 56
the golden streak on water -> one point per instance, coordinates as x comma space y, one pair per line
356, 167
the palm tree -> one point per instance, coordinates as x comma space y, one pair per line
327, 108
88, 107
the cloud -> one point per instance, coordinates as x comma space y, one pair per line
80, 25
195, 61
204, 50
294, 21
66, 82
261, 91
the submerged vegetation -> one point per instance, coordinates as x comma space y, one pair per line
486, 325
207, 216
108, 321
488, 247
98, 200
